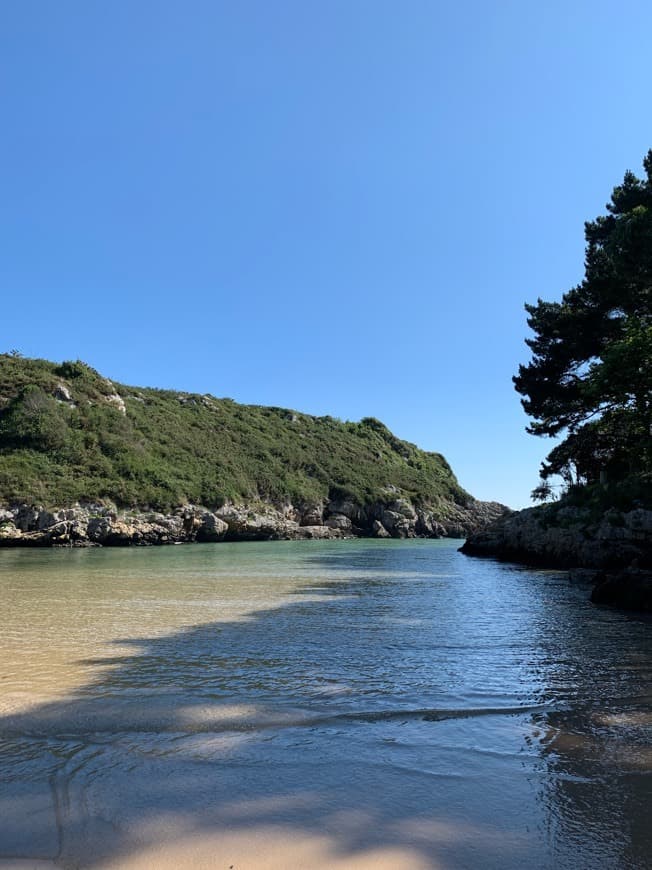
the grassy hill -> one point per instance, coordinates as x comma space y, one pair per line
67, 434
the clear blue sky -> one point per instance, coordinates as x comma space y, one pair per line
336, 206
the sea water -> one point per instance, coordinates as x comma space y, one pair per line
284, 704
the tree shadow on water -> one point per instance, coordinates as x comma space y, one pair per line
267, 741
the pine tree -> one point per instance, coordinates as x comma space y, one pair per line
590, 376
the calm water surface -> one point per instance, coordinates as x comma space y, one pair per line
386, 694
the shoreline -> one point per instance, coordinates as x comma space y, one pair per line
272, 847
612, 551
94, 525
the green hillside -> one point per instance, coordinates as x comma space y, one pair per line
67, 434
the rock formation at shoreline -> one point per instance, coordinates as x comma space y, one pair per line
611, 549
101, 525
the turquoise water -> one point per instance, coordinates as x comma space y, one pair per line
384, 694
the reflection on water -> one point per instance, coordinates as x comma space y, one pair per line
377, 695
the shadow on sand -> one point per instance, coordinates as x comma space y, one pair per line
186, 753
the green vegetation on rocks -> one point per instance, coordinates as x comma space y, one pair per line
68, 435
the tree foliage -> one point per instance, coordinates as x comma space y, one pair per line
590, 376
34, 419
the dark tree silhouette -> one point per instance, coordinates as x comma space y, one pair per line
590, 376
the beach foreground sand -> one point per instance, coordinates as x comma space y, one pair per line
261, 849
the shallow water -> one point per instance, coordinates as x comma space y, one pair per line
342, 703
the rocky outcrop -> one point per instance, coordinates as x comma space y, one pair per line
630, 589
568, 538
99, 525
379, 530
616, 546
95, 525
102, 525
312, 515
62, 394
399, 518
339, 521
211, 527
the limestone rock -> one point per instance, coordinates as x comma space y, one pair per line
312, 515
338, 521
568, 538
403, 507
104, 525
262, 524
317, 533
62, 393
98, 529
8, 531
26, 517
354, 512
117, 401
398, 525
379, 530
212, 528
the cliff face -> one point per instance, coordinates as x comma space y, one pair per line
99, 525
570, 538
84, 460
613, 550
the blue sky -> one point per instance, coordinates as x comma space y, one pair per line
339, 207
